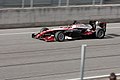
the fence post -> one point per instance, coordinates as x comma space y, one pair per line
83, 50
93, 2
59, 3
23, 3
101, 2
67, 3
31, 3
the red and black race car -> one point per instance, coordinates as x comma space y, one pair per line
93, 29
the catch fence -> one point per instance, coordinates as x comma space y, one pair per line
49, 3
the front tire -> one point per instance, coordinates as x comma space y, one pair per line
43, 29
59, 36
33, 35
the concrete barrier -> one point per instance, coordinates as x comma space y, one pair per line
46, 16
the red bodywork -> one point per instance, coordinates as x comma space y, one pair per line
51, 38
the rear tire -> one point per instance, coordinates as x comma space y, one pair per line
100, 33
59, 36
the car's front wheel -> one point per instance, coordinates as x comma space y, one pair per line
44, 29
59, 36
33, 35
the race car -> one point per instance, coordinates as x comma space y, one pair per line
94, 29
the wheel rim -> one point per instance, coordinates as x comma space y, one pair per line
100, 34
61, 37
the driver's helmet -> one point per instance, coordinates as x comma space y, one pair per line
75, 22
97, 23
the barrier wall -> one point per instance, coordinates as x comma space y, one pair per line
30, 17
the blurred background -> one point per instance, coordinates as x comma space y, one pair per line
48, 3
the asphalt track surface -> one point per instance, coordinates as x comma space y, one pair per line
24, 58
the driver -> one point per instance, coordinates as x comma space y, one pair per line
74, 24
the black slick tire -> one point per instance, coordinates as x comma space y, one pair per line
100, 33
43, 29
33, 35
59, 36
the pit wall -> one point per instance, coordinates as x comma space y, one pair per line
47, 16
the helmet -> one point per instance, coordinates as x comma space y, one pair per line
97, 23
75, 22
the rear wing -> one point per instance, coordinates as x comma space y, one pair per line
102, 24
94, 23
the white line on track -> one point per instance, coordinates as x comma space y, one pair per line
16, 33
94, 77
12, 33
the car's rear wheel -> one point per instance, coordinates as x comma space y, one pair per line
43, 29
100, 33
59, 36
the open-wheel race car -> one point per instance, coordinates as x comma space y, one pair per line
94, 29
